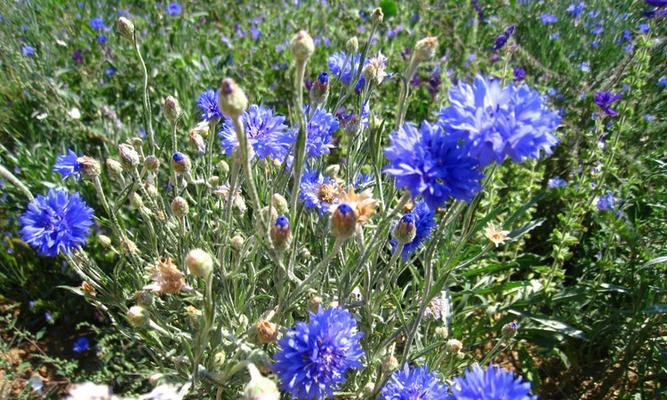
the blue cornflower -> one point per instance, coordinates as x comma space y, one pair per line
644, 28
97, 24
174, 8
362, 180
266, 131
321, 127
597, 30
429, 162
499, 122
662, 82
424, 221
80, 345
657, 3
414, 384
503, 38
56, 223
519, 74
102, 39
315, 356
67, 165
208, 104
605, 99
556, 182
606, 202
576, 9
493, 384
584, 67
27, 50
548, 18
317, 191
345, 67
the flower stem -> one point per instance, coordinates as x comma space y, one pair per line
148, 124
4, 172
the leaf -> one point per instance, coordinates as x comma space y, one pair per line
552, 325
657, 260
656, 309
389, 8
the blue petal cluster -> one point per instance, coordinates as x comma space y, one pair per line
431, 163
67, 165
56, 223
500, 121
266, 131
414, 384
208, 104
345, 67
424, 219
315, 356
493, 384
321, 127
317, 191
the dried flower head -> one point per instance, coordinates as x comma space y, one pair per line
167, 279
363, 203
495, 234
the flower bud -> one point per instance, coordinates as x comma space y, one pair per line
125, 28
128, 155
181, 163
237, 242
332, 170
137, 142
377, 16
223, 167
114, 169
172, 110
406, 229
265, 331
454, 346
197, 142
352, 45
144, 298
425, 48
219, 359
343, 222
280, 203
180, 207
135, 200
214, 180
151, 190
259, 387
127, 246
280, 233
104, 240
305, 254
232, 101
314, 303
152, 163
320, 89
510, 329
199, 263
137, 316
88, 289
89, 167
442, 331
302, 46
389, 362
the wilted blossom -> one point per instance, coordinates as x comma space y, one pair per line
315, 356
500, 122
432, 163
414, 384
605, 99
424, 222
494, 383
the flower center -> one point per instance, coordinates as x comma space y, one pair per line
325, 192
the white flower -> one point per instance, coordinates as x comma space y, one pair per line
90, 391
74, 113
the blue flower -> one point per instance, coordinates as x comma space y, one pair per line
102, 39
321, 127
315, 356
424, 221
431, 163
28, 51
605, 99
208, 104
519, 73
607, 202
556, 182
500, 121
414, 384
317, 191
503, 38
657, 3
662, 82
57, 223
266, 131
344, 66
67, 165
80, 345
576, 9
548, 18
174, 8
97, 24
493, 384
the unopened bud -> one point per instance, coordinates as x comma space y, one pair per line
152, 163
352, 45
510, 329
197, 142
332, 170
377, 16
137, 316
232, 100
104, 240
314, 303
343, 222
181, 163
389, 363
280, 233
89, 167
180, 207
280, 203
259, 387
114, 169
305, 254
223, 166
320, 89
266, 331
425, 48
406, 229
172, 110
199, 263
144, 298
151, 190
128, 155
237, 242
302, 46
442, 331
454, 346
214, 180
125, 28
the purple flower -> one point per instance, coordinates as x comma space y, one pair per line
57, 223
424, 221
606, 202
67, 165
432, 163
266, 131
28, 51
548, 18
644, 28
315, 356
605, 99
503, 38
576, 9
97, 24
80, 345
657, 3
208, 104
584, 67
556, 182
77, 57
174, 8
493, 384
255, 33
414, 384
500, 122
519, 74
317, 191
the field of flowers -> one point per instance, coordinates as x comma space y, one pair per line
333, 199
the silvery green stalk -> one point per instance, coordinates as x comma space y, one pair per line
424, 51
4, 172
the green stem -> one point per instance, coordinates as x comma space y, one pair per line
4, 172
146, 104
